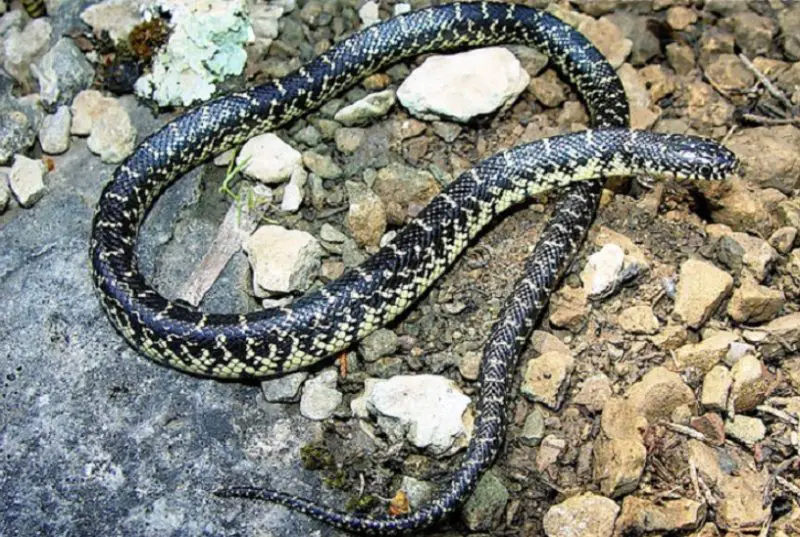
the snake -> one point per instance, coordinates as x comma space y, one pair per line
276, 341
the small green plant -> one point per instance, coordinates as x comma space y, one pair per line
244, 198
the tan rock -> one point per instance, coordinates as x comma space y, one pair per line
548, 89
705, 107
543, 342
753, 303
752, 383
777, 336
621, 419
740, 250
659, 81
728, 71
366, 217
618, 465
549, 452
743, 209
658, 394
569, 308
783, 239
638, 320
782, 144
740, 495
701, 289
594, 392
670, 337
680, 17
716, 388
753, 32
587, 515
680, 57
547, 377
749, 431
608, 38
643, 113
706, 354
641, 516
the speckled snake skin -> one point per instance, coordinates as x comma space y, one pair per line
280, 340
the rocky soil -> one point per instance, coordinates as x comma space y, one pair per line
660, 394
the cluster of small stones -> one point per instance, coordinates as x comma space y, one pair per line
662, 388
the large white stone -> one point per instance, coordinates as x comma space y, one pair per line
462, 86
283, 260
429, 410
271, 160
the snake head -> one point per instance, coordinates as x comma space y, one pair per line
699, 158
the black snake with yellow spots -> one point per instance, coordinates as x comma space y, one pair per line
280, 340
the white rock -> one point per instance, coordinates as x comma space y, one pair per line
364, 110
401, 8
462, 86
369, 14
54, 133
113, 135
293, 192
27, 180
87, 107
117, 17
320, 396
21, 48
428, 410
271, 160
282, 260
602, 272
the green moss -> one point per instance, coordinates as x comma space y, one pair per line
316, 456
361, 503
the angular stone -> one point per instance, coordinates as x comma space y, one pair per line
366, 216
716, 387
753, 303
658, 394
701, 289
284, 389
429, 410
587, 515
752, 383
618, 465
113, 135
706, 354
594, 392
747, 430
547, 377
283, 260
320, 396
54, 133
62, 73
268, 159
640, 516
372, 106
638, 320
26, 180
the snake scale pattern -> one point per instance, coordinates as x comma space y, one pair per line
280, 340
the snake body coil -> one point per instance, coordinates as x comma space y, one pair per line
317, 325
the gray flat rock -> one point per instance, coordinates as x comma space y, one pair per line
96, 439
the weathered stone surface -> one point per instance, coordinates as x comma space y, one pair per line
638, 320
658, 394
283, 260
26, 180
716, 387
640, 516
546, 378
701, 289
268, 159
366, 217
429, 410
753, 303
62, 73
485, 506
706, 354
320, 396
588, 515
479, 82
